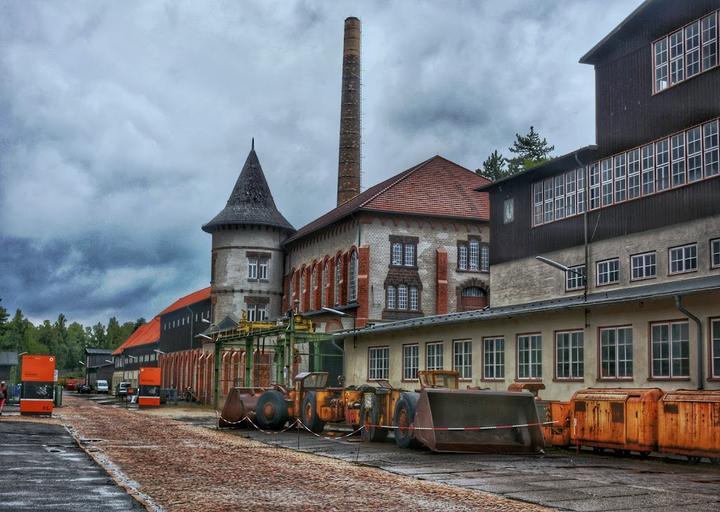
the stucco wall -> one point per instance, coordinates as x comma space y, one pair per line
528, 280
637, 315
230, 285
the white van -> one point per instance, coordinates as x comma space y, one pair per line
101, 386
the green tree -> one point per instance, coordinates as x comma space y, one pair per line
494, 168
114, 334
98, 338
3, 320
529, 150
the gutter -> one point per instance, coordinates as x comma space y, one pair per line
698, 322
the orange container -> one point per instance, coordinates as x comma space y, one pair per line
38, 384
689, 423
149, 380
557, 433
622, 419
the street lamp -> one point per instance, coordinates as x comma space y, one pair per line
205, 336
342, 313
559, 266
81, 363
158, 351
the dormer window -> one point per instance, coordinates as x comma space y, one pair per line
685, 53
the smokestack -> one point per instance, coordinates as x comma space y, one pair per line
349, 154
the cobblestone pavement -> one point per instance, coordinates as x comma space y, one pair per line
179, 466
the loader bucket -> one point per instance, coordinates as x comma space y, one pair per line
239, 403
444, 410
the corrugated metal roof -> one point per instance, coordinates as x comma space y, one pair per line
654, 291
187, 300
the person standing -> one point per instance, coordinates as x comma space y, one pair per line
3, 396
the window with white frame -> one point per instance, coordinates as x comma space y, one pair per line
560, 196
709, 42
661, 64
692, 49
263, 269
338, 280
434, 355
529, 356
575, 278
548, 199
594, 187
715, 253
570, 194
633, 169
711, 155
683, 259
397, 253
493, 358
616, 353
414, 298
569, 355
670, 349
662, 162
537, 204
409, 255
643, 266
462, 358
352, 277
694, 154
608, 272
252, 268
620, 183
402, 301
581, 177
256, 312
391, 297
677, 152
648, 169
403, 253
325, 283
715, 335
474, 256
606, 174
378, 363
411, 361
677, 57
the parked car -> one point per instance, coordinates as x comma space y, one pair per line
84, 389
122, 389
101, 386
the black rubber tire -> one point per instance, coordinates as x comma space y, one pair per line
371, 417
308, 413
404, 416
271, 412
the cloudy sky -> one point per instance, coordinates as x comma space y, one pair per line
123, 125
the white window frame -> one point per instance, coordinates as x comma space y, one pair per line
411, 361
484, 258
391, 297
616, 353
633, 173
606, 177
462, 358
643, 266
662, 165
676, 43
252, 268
413, 298
462, 257
715, 347
325, 283
379, 363
570, 193
574, 282
529, 356
397, 254
677, 161
709, 51
693, 146
494, 358
693, 61
434, 355
685, 257
675, 343
715, 253
559, 194
648, 169
474, 255
620, 177
402, 297
538, 203
595, 184
607, 272
660, 59
711, 149
581, 185
409, 255
570, 355
263, 269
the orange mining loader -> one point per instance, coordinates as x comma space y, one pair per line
149, 381
38, 384
438, 415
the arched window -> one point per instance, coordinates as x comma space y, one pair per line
313, 286
472, 297
303, 279
338, 280
390, 298
352, 277
292, 290
325, 283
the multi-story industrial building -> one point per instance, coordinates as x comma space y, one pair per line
628, 292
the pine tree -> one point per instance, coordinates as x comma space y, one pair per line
494, 167
530, 150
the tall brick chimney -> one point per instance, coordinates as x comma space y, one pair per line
349, 154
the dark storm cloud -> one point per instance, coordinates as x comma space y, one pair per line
123, 126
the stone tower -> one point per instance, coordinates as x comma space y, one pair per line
247, 254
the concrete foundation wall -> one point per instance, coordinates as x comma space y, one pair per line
528, 280
637, 315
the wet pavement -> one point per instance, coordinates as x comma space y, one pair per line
44, 469
560, 479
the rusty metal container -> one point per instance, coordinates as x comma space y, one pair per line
622, 419
240, 403
689, 424
559, 413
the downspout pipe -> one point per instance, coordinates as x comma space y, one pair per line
698, 322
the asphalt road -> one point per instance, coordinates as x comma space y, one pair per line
560, 479
42, 468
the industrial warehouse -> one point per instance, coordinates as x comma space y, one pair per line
444, 326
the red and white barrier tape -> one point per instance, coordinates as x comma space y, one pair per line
461, 429
331, 438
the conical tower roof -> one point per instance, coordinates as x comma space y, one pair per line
251, 202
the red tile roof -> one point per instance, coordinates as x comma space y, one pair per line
143, 335
436, 187
187, 300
